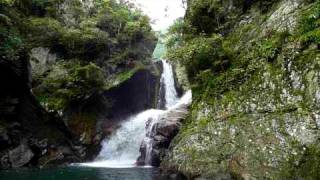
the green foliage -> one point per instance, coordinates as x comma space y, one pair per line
87, 42
303, 166
310, 25
10, 43
200, 54
68, 81
216, 16
35, 7
207, 16
269, 48
175, 33
128, 26
6, 2
102, 32
84, 42
45, 31
10, 39
109, 34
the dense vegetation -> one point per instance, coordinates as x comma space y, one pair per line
92, 41
239, 61
63, 67
214, 46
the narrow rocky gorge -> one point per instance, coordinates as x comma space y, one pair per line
229, 91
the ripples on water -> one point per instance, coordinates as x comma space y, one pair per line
82, 173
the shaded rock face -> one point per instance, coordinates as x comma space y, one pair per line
27, 132
181, 80
161, 133
138, 93
41, 60
91, 119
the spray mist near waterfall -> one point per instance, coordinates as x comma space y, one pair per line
121, 150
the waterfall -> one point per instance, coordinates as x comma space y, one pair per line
122, 148
167, 80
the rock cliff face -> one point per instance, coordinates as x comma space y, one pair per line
138, 93
25, 125
30, 136
259, 118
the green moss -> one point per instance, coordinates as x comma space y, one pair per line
303, 166
271, 47
11, 41
68, 81
250, 118
87, 42
310, 24
201, 54
121, 77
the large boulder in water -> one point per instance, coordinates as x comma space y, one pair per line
160, 134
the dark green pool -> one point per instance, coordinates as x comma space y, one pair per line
81, 173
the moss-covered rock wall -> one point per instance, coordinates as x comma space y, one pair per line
256, 89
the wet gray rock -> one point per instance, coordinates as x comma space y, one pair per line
20, 156
27, 131
4, 161
162, 132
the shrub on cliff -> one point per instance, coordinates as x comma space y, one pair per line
216, 16
44, 31
11, 41
202, 53
85, 43
108, 34
68, 81
310, 25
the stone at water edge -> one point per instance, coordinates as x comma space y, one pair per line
161, 135
20, 156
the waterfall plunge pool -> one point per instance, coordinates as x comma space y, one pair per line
122, 148
82, 173
117, 159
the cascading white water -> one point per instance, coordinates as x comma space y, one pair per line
167, 79
184, 100
122, 148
